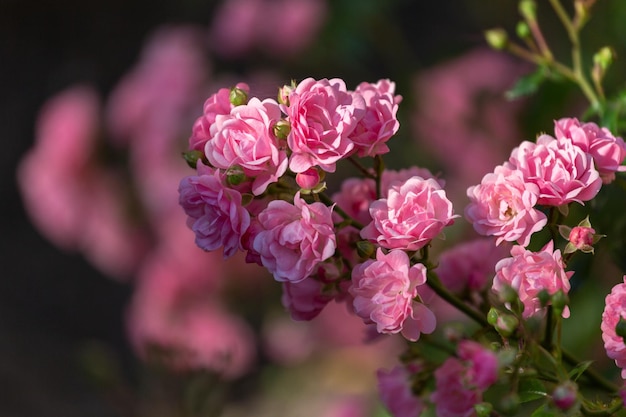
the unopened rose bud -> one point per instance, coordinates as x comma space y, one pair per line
522, 30
492, 316
308, 179
528, 9
365, 249
544, 297
604, 57
497, 38
560, 300
238, 96
620, 328
509, 404
506, 324
235, 176
284, 91
281, 129
483, 409
564, 395
582, 238
192, 157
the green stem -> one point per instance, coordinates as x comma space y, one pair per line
433, 282
326, 200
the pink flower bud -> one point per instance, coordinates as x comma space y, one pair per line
308, 179
582, 237
564, 395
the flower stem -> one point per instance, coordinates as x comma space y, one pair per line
433, 282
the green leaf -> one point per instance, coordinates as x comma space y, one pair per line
528, 84
531, 389
575, 373
543, 411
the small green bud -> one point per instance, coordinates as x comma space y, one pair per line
620, 328
281, 129
604, 57
528, 9
509, 404
506, 325
284, 91
365, 249
237, 96
235, 176
497, 38
492, 316
544, 297
560, 300
522, 30
483, 409
192, 157
508, 294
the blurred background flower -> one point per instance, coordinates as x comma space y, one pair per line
107, 307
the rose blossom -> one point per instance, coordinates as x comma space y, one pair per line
322, 115
394, 387
216, 214
304, 299
582, 238
614, 310
294, 238
384, 290
529, 273
608, 151
217, 104
414, 212
502, 205
244, 138
563, 172
379, 123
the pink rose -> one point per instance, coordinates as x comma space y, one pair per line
390, 176
216, 214
354, 197
322, 115
614, 310
562, 171
502, 205
483, 370
379, 123
582, 238
414, 212
384, 290
454, 395
395, 392
304, 299
294, 238
608, 151
244, 139
217, 104
529, 273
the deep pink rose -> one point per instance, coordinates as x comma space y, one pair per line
614, 310
563, 172
379, 123
216, 214
394, 388
305, 299
384, 290
414, 212
608, 151
294, 238
244, 139
503, 205
454, 395
483, 364
322, 115
529, 273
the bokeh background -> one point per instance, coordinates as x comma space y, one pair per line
63, 319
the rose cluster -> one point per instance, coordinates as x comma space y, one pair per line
259, 188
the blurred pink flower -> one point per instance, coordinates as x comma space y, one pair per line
322, 114
608, 151
394, 387
503, 205
414, 212
384, 290
305, 299
483, 364
529, 273
244, 139
614, 311
354, 198
563, 172
379, 123
215, 212
294, 238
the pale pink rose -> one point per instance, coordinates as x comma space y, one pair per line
215, 212
503, 205
394, 388
529, 273
244, 139
470, 266
322, 115
294, 238
174, 319
454, 396
305, 299
483, 364
384, 290
217, 104
379, 123
354, 198
563, 172
608, 151
390, 176
614, 310
414, 212
582, 237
